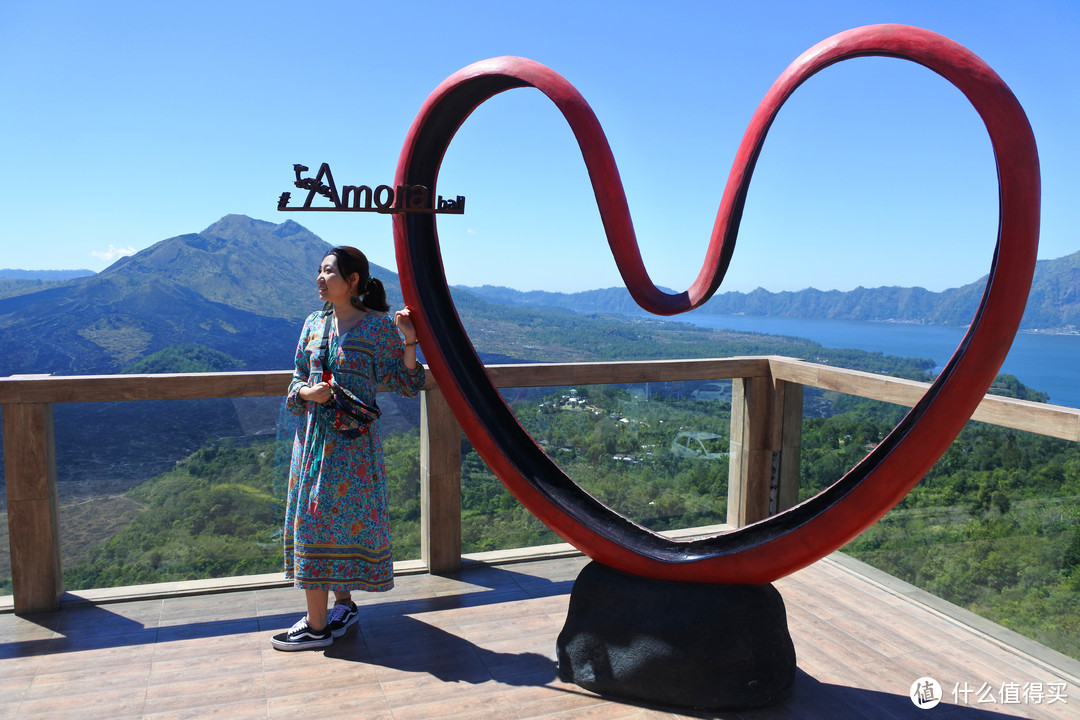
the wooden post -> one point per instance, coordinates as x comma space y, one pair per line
37, 576
787, 440
750, 464
766, 442
736, 459
440, 484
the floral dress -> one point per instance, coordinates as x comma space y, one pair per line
337, 524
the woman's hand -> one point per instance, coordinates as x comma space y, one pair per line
404, 324
317, 393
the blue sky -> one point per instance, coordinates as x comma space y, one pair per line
125, 123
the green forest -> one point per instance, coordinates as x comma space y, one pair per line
994, 527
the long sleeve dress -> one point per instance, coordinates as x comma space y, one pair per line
337, 524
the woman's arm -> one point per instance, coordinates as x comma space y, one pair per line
396, 365
301, 390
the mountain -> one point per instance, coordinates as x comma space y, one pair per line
1053, 304
249, 265
1054, 301
241, 287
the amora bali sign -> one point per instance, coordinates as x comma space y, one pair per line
364, 198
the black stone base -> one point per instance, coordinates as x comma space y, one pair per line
679, 644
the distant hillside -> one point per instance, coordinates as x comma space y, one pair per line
49, 275
19, 282
1053, 304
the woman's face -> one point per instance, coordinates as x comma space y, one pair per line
332, 286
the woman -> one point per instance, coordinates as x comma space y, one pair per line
337, 529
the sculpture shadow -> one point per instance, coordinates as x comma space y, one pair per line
812, 698
410, 645
413, 635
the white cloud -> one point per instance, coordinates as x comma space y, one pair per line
112, 253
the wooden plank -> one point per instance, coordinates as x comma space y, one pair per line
33, 518
852, 382
164, 386
561, 374
794, 371
1051, 420
788, 410
440, 484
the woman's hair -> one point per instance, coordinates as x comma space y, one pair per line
372, 294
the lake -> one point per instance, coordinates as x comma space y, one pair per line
1050, 363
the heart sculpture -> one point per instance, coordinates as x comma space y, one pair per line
767, 550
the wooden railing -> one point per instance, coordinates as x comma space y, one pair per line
766, 422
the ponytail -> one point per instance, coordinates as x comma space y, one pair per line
374, 297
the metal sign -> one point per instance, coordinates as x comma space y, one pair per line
362, 198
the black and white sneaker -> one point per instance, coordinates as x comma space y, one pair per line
301, 637
342, 615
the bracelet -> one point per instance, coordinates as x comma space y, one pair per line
408, 344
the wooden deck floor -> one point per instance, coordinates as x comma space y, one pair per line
482, 645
